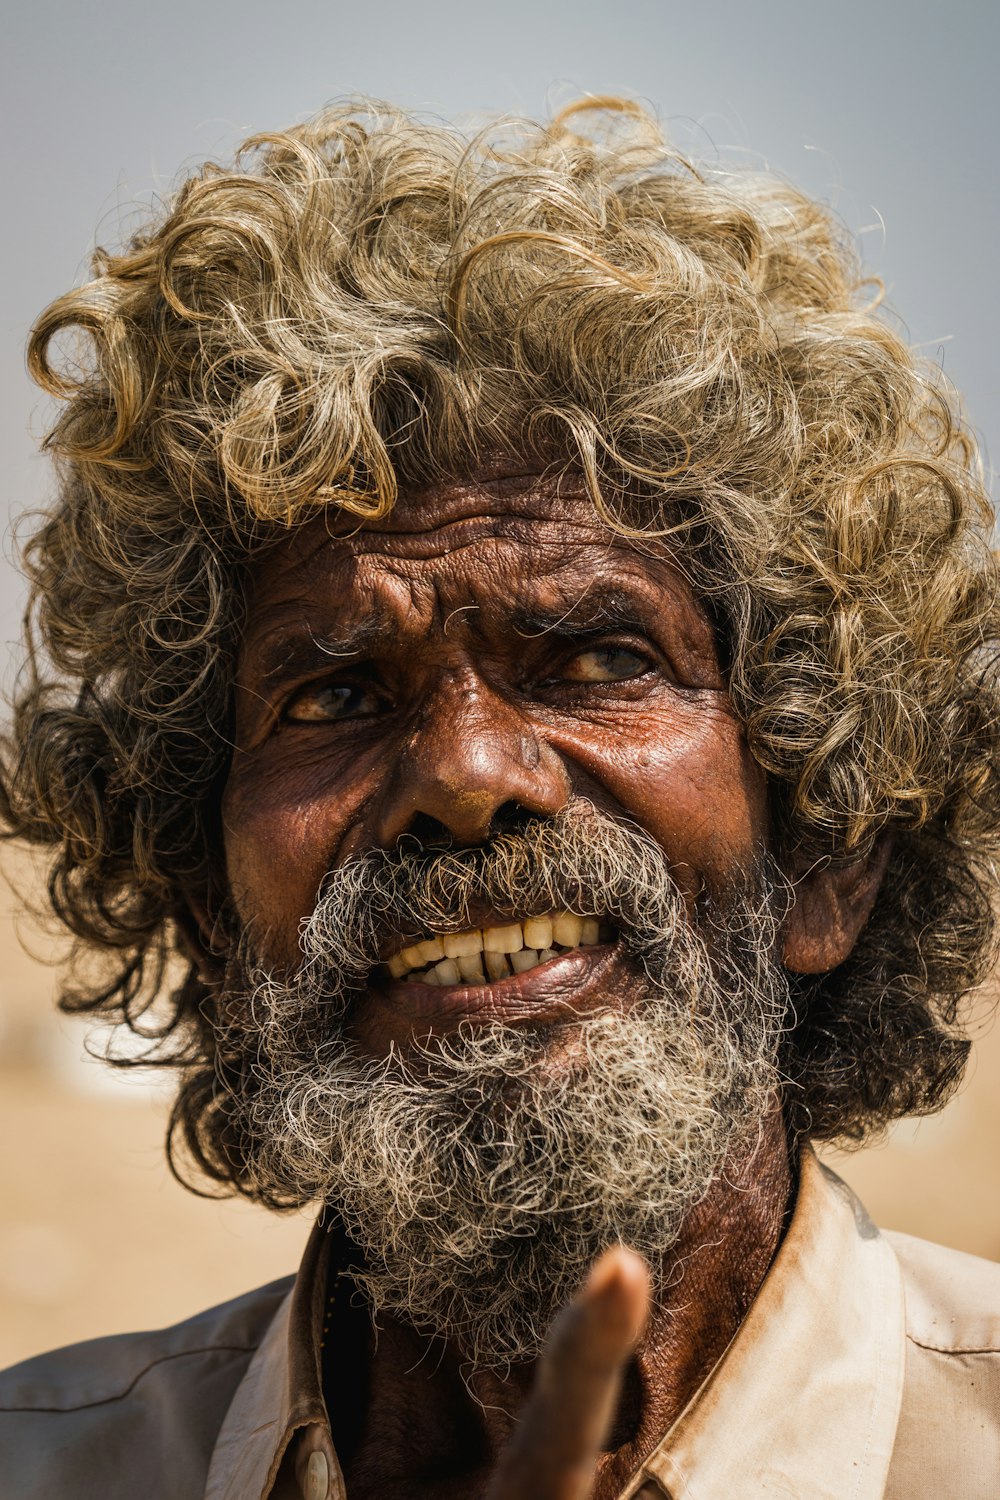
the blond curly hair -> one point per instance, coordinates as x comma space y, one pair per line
366, 300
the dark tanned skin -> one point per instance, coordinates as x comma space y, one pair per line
492, 646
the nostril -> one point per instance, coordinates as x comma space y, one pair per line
511, 817
427, 832
431, 833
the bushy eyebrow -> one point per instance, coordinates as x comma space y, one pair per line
296, 651
594, 612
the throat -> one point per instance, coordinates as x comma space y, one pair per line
410, 1418
403, 1421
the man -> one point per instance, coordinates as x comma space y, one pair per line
524, 632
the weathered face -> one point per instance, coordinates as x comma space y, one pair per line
490, 648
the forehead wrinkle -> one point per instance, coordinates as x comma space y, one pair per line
453, 534
468, 499
362, 592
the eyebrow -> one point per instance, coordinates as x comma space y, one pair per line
592, 613
293, 651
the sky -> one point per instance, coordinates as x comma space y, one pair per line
886, 109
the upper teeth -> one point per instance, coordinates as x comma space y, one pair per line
494, 952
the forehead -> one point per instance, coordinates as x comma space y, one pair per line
496, 549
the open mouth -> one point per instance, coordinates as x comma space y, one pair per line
481, 955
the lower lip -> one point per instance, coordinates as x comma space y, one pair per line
567, 985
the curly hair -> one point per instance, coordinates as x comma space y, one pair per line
368, 300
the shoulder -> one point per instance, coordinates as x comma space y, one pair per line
952, 1299
949, 1420
132, 1414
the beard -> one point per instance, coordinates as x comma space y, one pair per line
480, 1173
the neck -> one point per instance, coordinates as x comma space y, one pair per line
453, 1423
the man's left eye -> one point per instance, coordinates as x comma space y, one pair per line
333, 701
605, 664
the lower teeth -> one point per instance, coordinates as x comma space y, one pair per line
481, 966
497, 966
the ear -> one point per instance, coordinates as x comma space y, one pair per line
197, 934
832, 905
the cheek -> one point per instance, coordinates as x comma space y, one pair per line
687, 777
282, 829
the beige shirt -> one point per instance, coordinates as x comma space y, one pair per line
868, 1366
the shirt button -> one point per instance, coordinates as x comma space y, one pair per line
317, 1477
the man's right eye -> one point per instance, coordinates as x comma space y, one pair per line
333, 701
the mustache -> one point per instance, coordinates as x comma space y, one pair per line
477, 1181
581, 859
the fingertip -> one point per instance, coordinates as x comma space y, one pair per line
619, 1264
633, 1269
622, 1274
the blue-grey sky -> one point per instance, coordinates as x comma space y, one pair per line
889, 109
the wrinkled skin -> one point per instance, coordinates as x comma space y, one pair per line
492, 648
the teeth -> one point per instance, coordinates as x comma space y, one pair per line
503, 939
431, 950
494, 953
496, 964
427, 952
538, 932
462, 944
567, 930
471, 968
529, 958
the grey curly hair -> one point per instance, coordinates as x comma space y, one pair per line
367, 300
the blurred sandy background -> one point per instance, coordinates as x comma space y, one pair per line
889, 112
96, 1237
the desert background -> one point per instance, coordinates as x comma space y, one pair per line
96, 1237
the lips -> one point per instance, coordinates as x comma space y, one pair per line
484, 955
582, 968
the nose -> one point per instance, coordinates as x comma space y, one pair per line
472, 755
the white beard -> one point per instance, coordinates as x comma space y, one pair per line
481, 1175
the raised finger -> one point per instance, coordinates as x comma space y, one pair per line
554, 1451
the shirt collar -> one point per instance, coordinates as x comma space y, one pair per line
280, 1393
806, 1400
803, 1404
